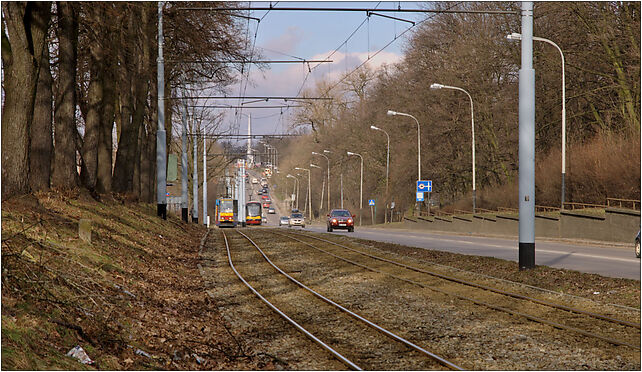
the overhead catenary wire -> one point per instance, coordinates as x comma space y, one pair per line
384, 47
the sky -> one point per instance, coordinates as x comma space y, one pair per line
284, 35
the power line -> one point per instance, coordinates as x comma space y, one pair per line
249, 61
285, 98
359, 10
252, 107
385, 46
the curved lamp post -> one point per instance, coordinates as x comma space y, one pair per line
516, 36
328, 160
294, 190
309, 193
472, 125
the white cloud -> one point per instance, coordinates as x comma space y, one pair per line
286, 42
287, 81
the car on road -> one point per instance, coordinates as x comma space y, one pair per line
266, 204
637, 245
254, 181
340, 219
296, 219
271, 210
284, 221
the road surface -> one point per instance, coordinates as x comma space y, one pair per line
607, 260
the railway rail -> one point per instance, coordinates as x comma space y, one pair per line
419, 282
420, 351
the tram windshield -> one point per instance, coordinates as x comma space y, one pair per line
227, 206
253, 209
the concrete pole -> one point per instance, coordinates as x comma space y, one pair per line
204, 181
527, 143
161, 150
184, 193
341, 190
309, 196
249, 139
195, 174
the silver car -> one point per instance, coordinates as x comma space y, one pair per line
284, 221
296, 219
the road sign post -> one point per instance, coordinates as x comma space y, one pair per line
371, 203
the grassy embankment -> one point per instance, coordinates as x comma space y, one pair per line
136, 285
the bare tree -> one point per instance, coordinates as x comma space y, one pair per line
24, 31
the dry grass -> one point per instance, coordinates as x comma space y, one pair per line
607, 166
136, 285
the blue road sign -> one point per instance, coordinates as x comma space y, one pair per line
424, 186
420, 196
371, 202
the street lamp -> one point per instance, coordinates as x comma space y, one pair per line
394, 113
361, 187
320, 204
472, 125
309, 193
387, 154
295, 190
328, 160
387, 166
517, 36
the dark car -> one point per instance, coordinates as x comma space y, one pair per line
637, 245
340, 219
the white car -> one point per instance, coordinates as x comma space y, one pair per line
296, 219
255, 181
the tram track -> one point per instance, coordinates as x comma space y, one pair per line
320, 314
578, 316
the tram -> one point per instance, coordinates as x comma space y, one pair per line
253, 213
226, 212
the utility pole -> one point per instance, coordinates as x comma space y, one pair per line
527, 143
204, 181
161, 150
250, 159
184, 193
195, 174
341, 190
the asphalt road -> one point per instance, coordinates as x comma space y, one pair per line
612, 261
607, 260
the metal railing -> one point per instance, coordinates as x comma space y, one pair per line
544, 208
507, 210
461, 211
623, 203
575, 205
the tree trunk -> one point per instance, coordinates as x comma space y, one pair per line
22, 44
41, 148
105, 143
137, 158
65, 174
94, 116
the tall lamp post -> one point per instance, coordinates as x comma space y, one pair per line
387, 162
361, 187
328, 160
309, 193
320, 204
395, 113
517, 36
472, 126
296, 184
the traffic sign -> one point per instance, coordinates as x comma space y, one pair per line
420, 196
424, 186
371, 202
